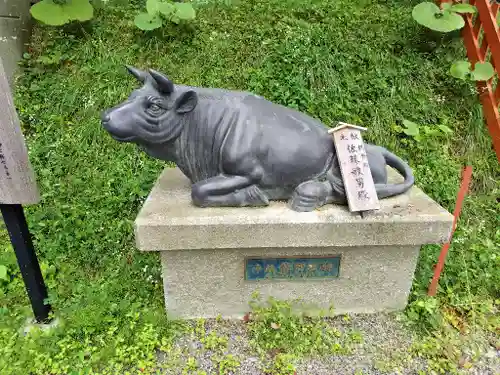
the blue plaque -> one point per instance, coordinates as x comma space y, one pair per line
292, 268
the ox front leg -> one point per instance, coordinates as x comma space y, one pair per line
227, 190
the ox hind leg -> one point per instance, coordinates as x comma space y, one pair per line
310, 195
227, 190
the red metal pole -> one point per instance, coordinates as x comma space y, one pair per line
464, 187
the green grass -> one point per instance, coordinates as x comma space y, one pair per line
364, 62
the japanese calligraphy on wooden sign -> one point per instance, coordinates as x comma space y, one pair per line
17, 180
356, 174
291, 268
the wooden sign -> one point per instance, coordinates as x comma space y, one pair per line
17, 180
356, 174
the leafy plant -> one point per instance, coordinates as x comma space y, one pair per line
60, 12
227, 364
5, 278
191, 365
448, 351
277, 326
449, 18
163, 10
483, 71
443, 19
422, 133
283, 364
214, 342
4, 273
425, 312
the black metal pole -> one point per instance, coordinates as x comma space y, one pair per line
20, 237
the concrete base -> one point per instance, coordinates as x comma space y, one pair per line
204, 250
206, 283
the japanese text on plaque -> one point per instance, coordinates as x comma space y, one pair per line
356, 174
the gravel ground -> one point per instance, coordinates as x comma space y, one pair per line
384, 351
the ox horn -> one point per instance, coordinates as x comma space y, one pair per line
139, 74
165, 85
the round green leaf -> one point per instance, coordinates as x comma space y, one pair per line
482, 71
152, 6
411, 128
144, 21
185, 11
79, 10
3, 273
424, 11
166, 8
449, 21
446, 6
48, 12
460, 69
463, 8
429, 15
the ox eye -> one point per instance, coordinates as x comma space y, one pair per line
154, 109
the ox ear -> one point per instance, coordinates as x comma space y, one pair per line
186, 102
138, 74
165, 85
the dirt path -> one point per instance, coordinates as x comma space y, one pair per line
384, 349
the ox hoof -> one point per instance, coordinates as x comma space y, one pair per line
309, 195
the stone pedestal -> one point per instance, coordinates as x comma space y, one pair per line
204, 251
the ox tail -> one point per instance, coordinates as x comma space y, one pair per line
389, 190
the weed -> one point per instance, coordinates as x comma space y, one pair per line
448, 18
60, 12
425, 312
425, 136
4, 273
282, 327
445, 19
448, 336
214, 342
442, 352
226, 364
393, 361
163, 10
199, 329
282, 364
355, 337
191, 367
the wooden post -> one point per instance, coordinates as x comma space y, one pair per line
17, 180
18, 187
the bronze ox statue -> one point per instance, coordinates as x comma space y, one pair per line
239, 149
